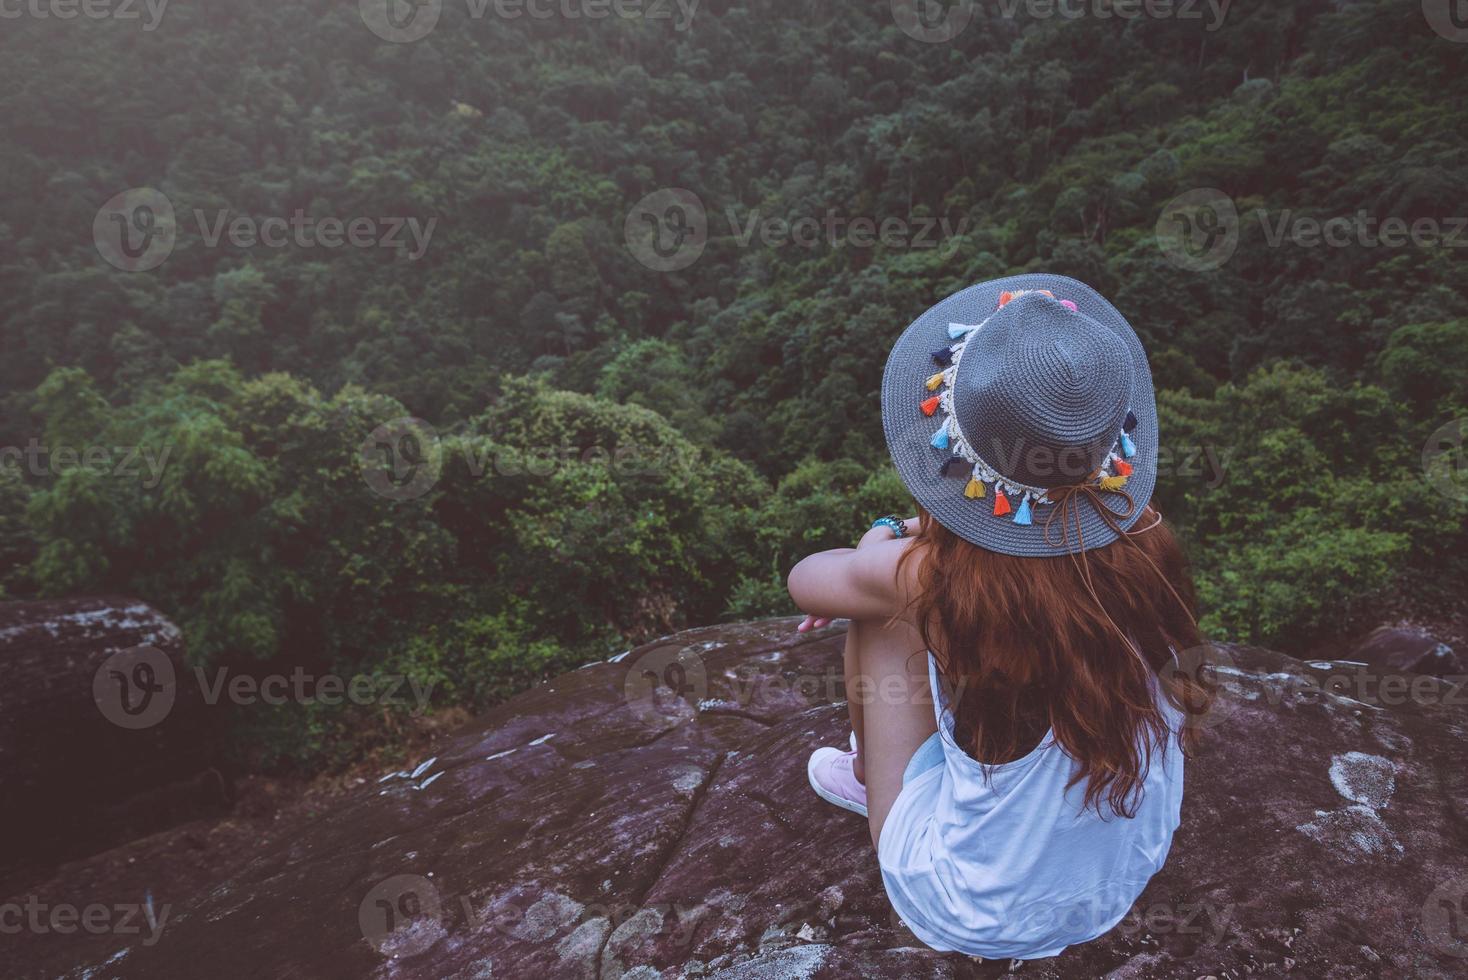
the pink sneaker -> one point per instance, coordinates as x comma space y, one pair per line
833, 777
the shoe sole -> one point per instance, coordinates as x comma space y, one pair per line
827, 795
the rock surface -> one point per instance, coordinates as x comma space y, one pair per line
602, 825
1409, 650
80, 767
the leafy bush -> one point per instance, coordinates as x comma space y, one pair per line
1300, 384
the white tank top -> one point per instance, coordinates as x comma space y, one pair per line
1014, 867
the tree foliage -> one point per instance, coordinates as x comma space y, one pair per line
744, 386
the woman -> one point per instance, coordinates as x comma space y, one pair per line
1016, 707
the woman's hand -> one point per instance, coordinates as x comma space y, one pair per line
812, 623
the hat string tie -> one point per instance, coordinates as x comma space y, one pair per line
1067, 502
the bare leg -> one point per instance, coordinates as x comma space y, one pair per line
895, 715
852, 667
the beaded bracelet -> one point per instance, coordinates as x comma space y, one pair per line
898, 528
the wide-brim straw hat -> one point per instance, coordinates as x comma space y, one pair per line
1017, 409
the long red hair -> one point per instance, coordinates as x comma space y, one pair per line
1037, 644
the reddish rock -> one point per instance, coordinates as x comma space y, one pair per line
590, 828
82, 768
1408, 650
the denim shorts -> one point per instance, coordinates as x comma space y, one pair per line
927, 756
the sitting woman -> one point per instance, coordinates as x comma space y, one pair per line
1016, 701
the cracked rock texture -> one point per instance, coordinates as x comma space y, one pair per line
649, 817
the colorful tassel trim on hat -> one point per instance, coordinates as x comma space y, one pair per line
1005, 298
1113, 475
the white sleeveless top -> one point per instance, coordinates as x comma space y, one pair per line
1014, 867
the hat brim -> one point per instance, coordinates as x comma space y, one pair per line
909, 432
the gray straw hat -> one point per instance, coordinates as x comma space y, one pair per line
1017, 410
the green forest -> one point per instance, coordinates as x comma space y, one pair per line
622, 450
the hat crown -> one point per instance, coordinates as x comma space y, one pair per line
1021, 416
1043, 391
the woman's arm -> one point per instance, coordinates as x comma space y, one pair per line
853, 583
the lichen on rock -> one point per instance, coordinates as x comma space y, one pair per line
647, 840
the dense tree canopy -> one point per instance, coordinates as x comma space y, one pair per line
1301, 376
